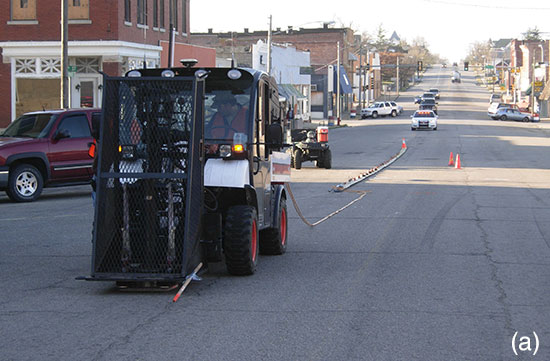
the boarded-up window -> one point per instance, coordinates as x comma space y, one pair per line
184, 16
23, 9
161, 13
79, 9
142, 12
127, 11
174, 14
35, 94
155, 13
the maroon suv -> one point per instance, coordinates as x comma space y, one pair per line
46, 149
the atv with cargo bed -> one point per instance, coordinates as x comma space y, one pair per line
311, 145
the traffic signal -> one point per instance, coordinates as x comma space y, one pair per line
367, 66
466, 66
419, 67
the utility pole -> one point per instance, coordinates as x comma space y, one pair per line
338, 84
269, 47
360, 72
367, 98
64, 54
533, 86
397, 88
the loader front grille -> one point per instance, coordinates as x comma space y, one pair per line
149, 193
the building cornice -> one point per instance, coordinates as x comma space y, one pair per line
111, 51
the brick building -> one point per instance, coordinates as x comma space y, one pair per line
320, 42
529, 59
104, 36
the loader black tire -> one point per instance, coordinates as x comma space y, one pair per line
327, 159
298, 159
273, 240
240, 241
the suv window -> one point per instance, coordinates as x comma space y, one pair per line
30, 125
96, 119
77, 125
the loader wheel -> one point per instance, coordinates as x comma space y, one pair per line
273, 240
240, 242
319, 162
298, 159
327, 159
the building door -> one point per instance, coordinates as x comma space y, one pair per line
85, 92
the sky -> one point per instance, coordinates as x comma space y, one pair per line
448, 26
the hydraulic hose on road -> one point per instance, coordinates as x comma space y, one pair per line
343, 187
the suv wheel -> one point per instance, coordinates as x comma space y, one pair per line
25, 183
393, 113
375, 114
240, 241
273, 240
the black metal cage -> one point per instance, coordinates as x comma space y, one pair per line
149, 179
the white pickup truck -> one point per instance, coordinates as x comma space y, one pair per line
379, 109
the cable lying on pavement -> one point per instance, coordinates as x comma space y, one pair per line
369, 173
343, 187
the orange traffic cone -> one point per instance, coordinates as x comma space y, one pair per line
451, 160
403, 145
457, 164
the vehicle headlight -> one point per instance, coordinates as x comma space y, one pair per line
127, 151
225, 151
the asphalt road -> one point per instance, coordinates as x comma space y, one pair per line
434, 263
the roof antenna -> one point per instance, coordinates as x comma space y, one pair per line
232, 51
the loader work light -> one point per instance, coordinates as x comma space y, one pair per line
238, 148
127, 151
167, 73
225, 151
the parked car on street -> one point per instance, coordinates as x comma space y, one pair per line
378, 109
396, 107
46, 149
493, 107
512, 114
424, 119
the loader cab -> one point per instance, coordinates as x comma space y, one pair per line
242, 122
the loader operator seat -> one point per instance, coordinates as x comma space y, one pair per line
229, 119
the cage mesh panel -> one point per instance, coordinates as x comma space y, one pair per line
150, 179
